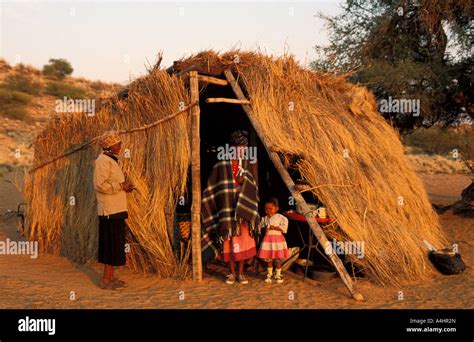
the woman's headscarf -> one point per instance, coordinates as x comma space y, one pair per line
239, 138
108, 139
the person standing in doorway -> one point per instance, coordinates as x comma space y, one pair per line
230, 209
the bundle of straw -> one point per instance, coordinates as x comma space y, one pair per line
156, 160
352, 159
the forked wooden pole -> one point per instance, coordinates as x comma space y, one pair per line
195, 179
315, 227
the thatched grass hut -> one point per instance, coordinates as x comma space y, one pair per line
327, 131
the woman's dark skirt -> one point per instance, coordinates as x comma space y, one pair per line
111, 241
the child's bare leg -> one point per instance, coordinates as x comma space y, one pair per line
278, 271
241, 267
269, 271
232, 267
256, 265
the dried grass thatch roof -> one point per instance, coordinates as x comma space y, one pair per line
158, 166
350, 156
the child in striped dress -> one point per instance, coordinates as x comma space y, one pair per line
273, 246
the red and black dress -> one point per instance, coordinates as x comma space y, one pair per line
243, 246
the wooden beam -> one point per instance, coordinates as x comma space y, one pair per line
223, 99
202, 65
315, 227
169, 219
195, 179
213, 80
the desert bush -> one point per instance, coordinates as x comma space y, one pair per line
13, 104
26, 69
17, 113
61, 90
8, 96
99, 86
436, 140
4, 66
23, 83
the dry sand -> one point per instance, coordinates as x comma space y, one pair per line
55, 282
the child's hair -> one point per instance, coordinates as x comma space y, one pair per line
273, 201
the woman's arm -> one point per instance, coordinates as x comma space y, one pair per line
102, 182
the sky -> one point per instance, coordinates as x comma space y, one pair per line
115, 41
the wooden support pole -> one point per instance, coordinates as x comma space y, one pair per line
213, 80
195, 179
315, 227
223, 99
169, 219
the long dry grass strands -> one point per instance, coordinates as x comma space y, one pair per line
62, 213
89, 143
342, 139
332, 125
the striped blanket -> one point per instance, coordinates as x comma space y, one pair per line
224, 207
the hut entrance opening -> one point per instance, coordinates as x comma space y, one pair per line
218, 121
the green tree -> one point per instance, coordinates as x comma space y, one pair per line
59, 68
419, 49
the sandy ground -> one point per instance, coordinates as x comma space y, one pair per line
54, 282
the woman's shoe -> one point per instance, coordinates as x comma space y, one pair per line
230, 279
242, 279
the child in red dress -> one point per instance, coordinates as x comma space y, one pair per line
273, 246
